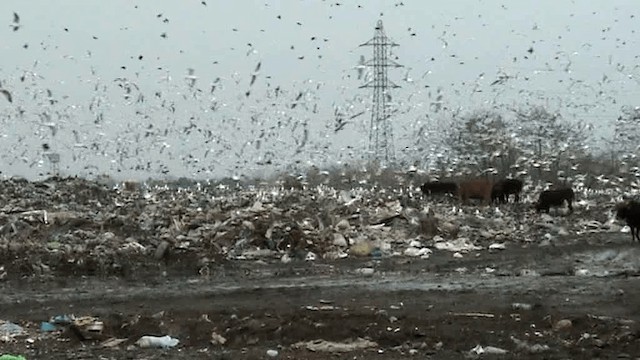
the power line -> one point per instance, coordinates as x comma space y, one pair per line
381, 147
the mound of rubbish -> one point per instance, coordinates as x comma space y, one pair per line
79, 227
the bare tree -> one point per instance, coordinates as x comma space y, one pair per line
626, 138
481, 140
549, 143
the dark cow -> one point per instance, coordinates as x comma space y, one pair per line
439, 187
555, 198
504, 188
475, 189
629, 211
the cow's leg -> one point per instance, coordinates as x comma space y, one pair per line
517, 198
570, 207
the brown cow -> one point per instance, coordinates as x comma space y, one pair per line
475, 189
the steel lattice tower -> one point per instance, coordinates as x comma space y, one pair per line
381, 146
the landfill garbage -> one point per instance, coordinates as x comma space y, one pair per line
521, 306
217, 339
461, 244
365, 271
335, 347
480, 350
272, 353
163, 342
523, 345
112, 342
12, 357
9, 330
61, 320
47, 327
563, 324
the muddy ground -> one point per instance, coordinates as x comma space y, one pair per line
517, 300
231, 275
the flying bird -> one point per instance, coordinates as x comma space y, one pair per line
16, 22
7, 95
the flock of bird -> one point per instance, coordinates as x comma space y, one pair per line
262, 124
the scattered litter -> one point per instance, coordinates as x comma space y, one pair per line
461, 244
272, 353
533, 349
365, 271
163, 342
47, 327
563, 324
335, 347
10, 330
491, 350
12, 357
217, 339
113, 342
474, 315
521, 306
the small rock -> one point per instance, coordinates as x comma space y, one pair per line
161, 251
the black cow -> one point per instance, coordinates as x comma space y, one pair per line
549, 198
629, 211
439, 187
504, 188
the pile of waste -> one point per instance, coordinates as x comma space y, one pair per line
105, 228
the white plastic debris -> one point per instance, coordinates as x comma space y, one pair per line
217, 339
285, 259
9, 330
479, 350
417, 252
163, 342
525, 346
310, 256
335, 347
272, 353
365, 271
521, 306
339, 240
458, 245
497, 246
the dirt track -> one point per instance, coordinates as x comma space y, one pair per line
441, 307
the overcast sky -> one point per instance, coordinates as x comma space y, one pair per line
123, 101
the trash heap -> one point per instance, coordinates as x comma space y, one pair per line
95, 227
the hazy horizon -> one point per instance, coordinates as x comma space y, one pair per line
124, 102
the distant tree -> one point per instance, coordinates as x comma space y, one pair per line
549, 143
481, 140
626, 139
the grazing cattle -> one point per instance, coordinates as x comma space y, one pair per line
555, 198
439, 187
629, 211
504, 188
475, 189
